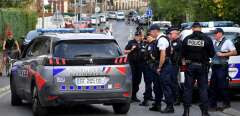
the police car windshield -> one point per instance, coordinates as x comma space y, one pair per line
87, 48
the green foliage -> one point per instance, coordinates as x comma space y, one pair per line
15, 3
16, 20
179, 11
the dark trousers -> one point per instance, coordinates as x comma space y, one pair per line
136, 77
218, 85
148, 79
163, 85
199, 73
176, 85
167, 83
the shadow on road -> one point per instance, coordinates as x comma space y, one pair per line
77, 110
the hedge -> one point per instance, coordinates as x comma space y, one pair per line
19, 21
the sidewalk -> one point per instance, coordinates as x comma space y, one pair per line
4, 81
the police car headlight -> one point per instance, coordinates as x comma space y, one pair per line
61, 79
232, 72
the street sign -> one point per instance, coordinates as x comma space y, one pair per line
97, 9
149, 12
57, 18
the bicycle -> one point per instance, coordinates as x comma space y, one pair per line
10, 56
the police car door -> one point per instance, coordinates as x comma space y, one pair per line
234, 65
33, 62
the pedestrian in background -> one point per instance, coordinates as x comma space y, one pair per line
219, 82
108, 32
197, 49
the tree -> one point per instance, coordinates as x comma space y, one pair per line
179, 11
15, 3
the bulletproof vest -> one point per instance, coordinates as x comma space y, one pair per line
156, 51
195, 48
176, 51
216, 59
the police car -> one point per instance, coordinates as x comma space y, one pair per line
71, 68
232, 33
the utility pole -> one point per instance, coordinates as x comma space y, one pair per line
96, 15
75, 9
43, 11
80, 12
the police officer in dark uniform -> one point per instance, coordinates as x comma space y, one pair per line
163, 83
197, 49
136, 61
176, 49
150, 69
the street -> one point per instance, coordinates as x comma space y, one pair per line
121, 32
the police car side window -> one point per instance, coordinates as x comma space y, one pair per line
40, 47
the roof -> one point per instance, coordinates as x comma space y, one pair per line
78, 36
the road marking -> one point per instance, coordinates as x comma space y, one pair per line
6, 88
5, 93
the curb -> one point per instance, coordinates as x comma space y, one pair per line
4, 89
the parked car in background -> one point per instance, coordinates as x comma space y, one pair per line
103, 18
112, 15
163, 23
95, 20
210, 24
120, 15
144, 20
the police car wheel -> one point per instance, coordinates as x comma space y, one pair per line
37, 109
15, 99
121, 108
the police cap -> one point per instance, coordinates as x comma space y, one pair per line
218, 30
154, 27
196, 25
137, 33
169, 30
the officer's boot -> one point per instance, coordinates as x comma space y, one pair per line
177, 102
145, 103
186, 111
205, 112
168, 109
155, 107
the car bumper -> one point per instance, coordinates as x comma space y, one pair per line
58, 98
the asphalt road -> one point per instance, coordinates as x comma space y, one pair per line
121, 32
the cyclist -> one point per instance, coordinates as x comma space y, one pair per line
8, 47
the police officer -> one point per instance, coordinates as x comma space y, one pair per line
133, 49
163, 81
149, 69
219, 81
197, 48
176, 48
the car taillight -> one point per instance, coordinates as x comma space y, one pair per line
121, 60
55, 61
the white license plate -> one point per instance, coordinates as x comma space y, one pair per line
91, 81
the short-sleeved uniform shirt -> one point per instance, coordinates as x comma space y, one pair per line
163, 43
227, 45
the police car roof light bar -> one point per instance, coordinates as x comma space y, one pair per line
67, 30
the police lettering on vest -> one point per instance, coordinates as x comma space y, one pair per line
196, 43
